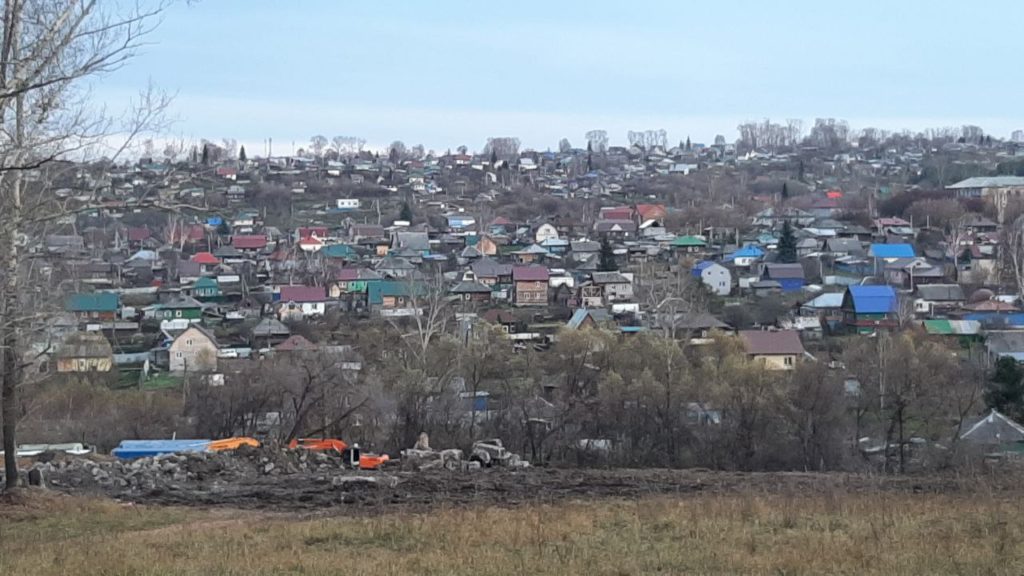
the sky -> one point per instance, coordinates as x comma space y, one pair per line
446, 73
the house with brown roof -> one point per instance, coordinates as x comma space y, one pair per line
530, 285
298, 302
775, 350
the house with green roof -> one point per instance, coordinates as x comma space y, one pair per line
689, 244
96, 306
394, 298
206, 289
339, 252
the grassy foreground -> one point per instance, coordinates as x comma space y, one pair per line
734, 534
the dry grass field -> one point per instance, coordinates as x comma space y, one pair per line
696, 534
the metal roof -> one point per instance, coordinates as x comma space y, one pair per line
988, 182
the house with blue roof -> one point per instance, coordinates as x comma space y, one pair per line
745, 257
868, 308
716, 277
891, 251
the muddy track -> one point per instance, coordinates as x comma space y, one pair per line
426, 490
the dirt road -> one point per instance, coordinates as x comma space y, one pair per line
423, 490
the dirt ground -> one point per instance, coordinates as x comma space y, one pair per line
411, 491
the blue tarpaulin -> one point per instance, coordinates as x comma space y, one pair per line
131, 449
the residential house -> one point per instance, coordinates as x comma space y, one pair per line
544, 232
843, 247
776, 350
996, 433
394, 298
745, 257
352, 281
492, 273
996, 189
182, 308
503, 318
868, 308
689, 244
530, 255
615, 229
583, 318
94, 307
615, 286
698, 327
194, 350
908, 273
395, 267
938, 299
269, 332
206, 289
789, 276
716, 277
249, 243
83, 352
828, 308
471, 290
583, 250
299, 302
530, 285
418, 242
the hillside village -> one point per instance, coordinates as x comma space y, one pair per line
186, 273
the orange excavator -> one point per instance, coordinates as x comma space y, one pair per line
352, 454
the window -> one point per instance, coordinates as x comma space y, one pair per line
788, 360
177, 313
177, 354
188, 342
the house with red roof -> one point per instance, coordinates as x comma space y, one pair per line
311, 244
530, 285
651, 212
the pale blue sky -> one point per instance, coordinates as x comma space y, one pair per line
451, 72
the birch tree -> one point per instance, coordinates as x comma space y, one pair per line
49, 51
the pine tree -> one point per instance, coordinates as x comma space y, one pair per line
785, 190
223, 229
687, 143
787, 244
206, 154
606, 258
241, 154
590, 156
406, 213
1005, 391
494, 158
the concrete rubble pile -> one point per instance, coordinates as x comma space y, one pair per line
484, 454
169, 469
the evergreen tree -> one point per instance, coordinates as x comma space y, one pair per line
590, 156
687, 143
406, 213
494, 158
787, 244
606, 258
206, 154
194, 156
223, 229
241, 154
785, 190
1005, 391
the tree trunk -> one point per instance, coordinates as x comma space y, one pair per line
9, 369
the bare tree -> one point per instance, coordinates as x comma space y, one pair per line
318, 144
348, 144
564, 146
48, 49
598, 141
